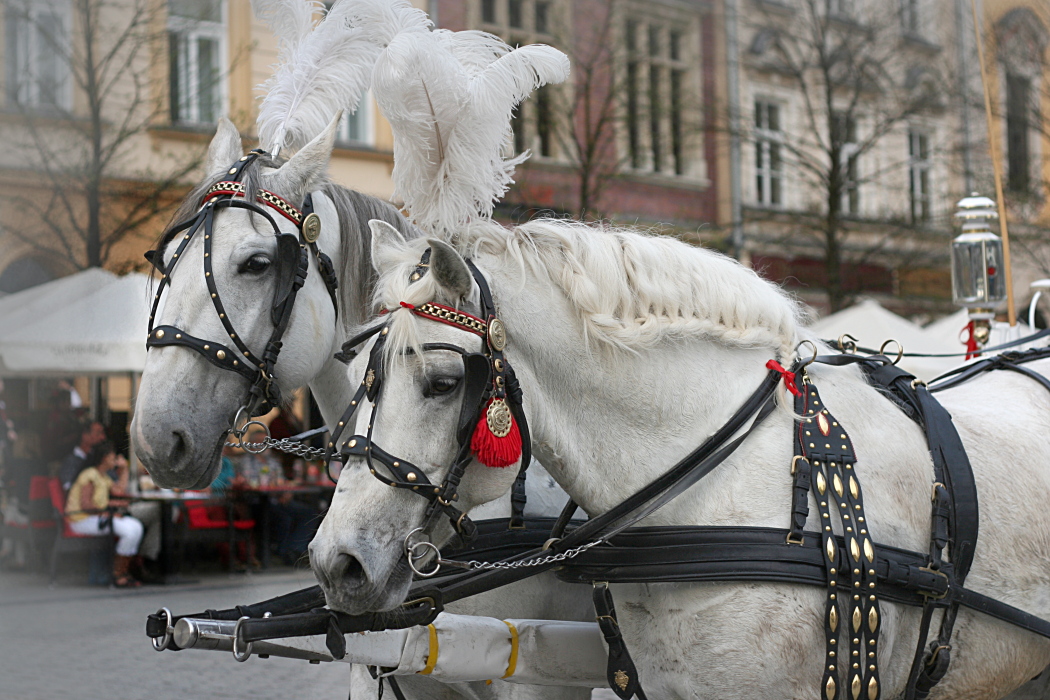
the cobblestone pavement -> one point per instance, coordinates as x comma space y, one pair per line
87, 643
77, 642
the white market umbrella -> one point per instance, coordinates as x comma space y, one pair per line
872, 325
100, 332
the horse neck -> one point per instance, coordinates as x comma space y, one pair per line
354, 266
606, 422
331, 387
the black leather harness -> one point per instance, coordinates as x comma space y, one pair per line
291, 266
856, 571
486, 375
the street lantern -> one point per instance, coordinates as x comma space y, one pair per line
978, 273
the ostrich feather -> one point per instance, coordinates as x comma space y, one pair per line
323, 67
449, 98
289, 21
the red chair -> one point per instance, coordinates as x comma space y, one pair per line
218, 523
68, 541
41, 517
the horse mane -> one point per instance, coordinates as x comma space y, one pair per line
356, 275
633, 289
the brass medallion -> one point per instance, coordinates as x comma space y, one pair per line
621, 679
822, 424
311, 227
498, 418
497, 335
370, 377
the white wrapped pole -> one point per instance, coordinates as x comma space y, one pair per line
453, 649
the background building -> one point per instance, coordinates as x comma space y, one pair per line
106, 109
628, 139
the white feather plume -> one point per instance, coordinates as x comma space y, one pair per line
449, 98
323, 67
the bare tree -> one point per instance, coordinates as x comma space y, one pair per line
87, 109
856, 85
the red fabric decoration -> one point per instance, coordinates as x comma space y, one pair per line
495, 451
789, 377
972, 349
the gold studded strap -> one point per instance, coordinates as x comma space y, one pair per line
238, 189
450, 316
824, 447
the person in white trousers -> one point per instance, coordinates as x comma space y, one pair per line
88, 503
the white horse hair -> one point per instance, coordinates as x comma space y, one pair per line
169, 400
630, 351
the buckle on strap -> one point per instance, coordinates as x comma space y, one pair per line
934, 595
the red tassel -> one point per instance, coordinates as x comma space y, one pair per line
493, 451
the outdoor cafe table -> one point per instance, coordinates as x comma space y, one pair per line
262, 493
167, 499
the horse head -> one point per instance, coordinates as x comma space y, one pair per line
187, 401
427, 383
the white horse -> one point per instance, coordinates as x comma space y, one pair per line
186, 405
631, 350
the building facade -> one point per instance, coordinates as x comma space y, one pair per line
628, 139
833, 165
106, 110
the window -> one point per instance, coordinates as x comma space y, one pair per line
521, 22
514, 14
356, 128
768, 161
657, 82
840, 8
488, 11
844, 134
36, 43
919, 176
196, 36
911, 19
543, 17
1018, 90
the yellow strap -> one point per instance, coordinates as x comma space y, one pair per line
512, 664
432, 655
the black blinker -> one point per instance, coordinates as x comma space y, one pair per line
477, 376
286, 267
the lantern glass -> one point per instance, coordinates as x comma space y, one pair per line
977, 270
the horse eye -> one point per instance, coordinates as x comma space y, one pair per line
255, 264
438, 386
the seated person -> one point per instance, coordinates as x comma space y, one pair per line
92, 494
293, 523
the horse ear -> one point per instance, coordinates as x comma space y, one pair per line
225, 146
449, 269
307, 167
387, 241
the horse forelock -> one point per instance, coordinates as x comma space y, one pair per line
631, 289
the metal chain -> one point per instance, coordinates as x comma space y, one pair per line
475, 565
284, 445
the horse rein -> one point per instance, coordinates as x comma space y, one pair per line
291, 266
488, 379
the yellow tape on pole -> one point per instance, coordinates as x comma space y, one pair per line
512, 664
432, 654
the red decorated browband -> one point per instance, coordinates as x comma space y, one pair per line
229, 187
450, 316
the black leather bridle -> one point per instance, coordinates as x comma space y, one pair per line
486, 375
291, 266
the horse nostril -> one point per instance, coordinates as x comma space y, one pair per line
179, 448
347, 569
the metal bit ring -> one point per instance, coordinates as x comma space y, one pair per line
247, 653
253, 447
169, 632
